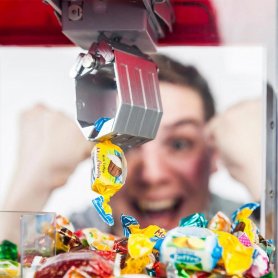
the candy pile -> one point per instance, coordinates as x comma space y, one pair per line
196, 248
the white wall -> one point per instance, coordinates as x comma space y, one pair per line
31, 75
250, 22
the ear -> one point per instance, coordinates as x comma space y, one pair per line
214, 158
214, 154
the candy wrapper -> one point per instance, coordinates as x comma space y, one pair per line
98, 240
75, 272
62, 221
220, 222
260, 264
194, 220
9, 269
109, 169
191, 248
243, 224
66, 240
154, 233
139, 245
72, 263
236, 257
136, 266
33, 261
268, 246
120, 245
142, 245
8, 250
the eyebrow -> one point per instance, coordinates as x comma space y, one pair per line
183, 122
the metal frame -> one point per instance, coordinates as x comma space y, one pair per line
269, 199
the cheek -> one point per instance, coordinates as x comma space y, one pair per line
194, 171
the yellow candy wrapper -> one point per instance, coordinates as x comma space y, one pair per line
244, 211
153, 232
136, 266
242, 222
109, 172
139, 245
236, 257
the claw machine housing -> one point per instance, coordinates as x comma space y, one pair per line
114, 48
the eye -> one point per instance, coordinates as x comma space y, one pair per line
180, 144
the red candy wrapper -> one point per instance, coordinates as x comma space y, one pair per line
120, 245
85, 262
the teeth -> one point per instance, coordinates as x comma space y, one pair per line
156, 205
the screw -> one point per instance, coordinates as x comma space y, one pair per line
75, 12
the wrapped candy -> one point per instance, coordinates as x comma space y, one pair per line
109, 171
66, 240
120, 245
220, 222
85, 262
8, 250
194, 220
74, 272
98, 240
154, 233
107, 255
260, 264
243, 238
243, 224
136, 266
62, 221
139, 245
191, 248
142, 243
267, 246
244, 211
269, 275
236, 257
9, 268
33, 260
82, 238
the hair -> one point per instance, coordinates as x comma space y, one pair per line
186, 75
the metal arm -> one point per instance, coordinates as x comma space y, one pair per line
117, 92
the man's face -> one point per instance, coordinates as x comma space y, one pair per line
168, 177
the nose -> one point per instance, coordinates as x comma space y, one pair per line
154, 166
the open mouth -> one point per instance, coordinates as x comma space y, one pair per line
159, 207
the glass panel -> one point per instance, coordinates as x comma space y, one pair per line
30, 234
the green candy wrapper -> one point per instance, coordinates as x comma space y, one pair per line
269, 275
194, 220
8, 250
